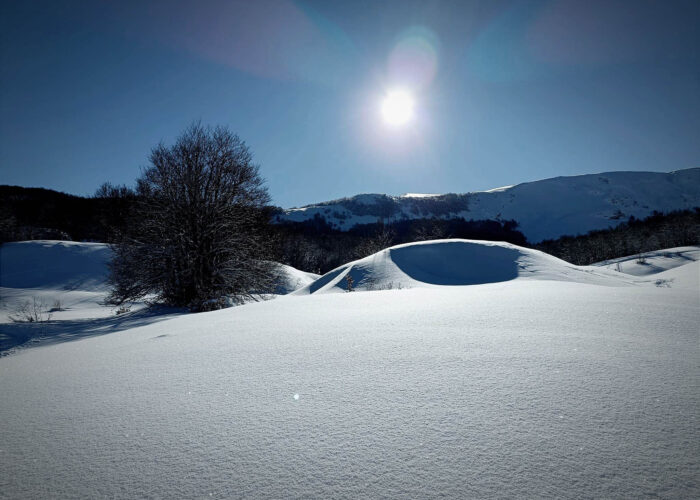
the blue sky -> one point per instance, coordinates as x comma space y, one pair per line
505, 92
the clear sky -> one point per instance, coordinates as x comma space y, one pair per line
502, 91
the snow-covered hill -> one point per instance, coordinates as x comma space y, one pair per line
292, 279
544, 209
455, 262
649, 263
67, 280
66, 272
531, 383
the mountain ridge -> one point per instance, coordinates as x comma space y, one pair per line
543, 209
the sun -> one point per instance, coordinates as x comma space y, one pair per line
397, 107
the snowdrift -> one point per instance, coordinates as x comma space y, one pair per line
455, 262
655, 262
292, 279
527, 388
61, 265
68, 282
69, 266
67, 274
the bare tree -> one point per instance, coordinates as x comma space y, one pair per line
198, 234
382, 238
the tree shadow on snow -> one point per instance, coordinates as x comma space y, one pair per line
22, 335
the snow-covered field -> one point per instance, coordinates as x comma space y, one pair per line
493, 371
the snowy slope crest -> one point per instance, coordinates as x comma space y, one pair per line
653, 262
292, 279
455, 262
65, 265
544, 209
74, 275
672, 267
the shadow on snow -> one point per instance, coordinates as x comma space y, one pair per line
21, 335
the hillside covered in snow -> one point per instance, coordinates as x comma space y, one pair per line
66, 282
458, 368
544, 209
454, 262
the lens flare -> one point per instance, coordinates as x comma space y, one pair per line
414, 58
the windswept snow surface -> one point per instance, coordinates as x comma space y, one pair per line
544, 209
455, 262
647, 263
524, 388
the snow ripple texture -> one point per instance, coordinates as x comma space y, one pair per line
524, 388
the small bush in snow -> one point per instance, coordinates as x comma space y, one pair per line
122, 310
216, 304
31, 311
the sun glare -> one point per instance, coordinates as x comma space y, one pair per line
397, 107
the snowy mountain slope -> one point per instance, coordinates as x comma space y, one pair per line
455, 262
544, 209
517, 389
653, 262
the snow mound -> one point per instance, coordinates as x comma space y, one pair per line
66, 265
686, 276
69, 280
292, 279
454, 262
68, 276
523, 389
655, 262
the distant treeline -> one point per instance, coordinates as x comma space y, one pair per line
37, 213
636, 236
315, 246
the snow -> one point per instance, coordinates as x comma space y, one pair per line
74, 274
526, 387
455, 262
653, 262
677, 267
293, 279
499, 189
544, 209
70, 272
687, 277
419, 195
